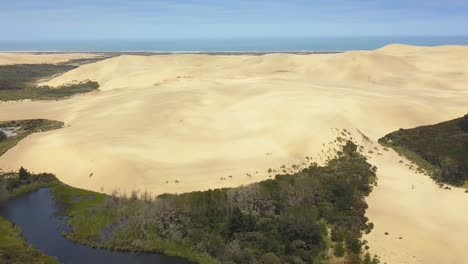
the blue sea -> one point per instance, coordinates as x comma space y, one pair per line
228, 44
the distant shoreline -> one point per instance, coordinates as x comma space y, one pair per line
149, 53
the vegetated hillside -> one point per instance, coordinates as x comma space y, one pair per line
313, 216
18, 82
441, 149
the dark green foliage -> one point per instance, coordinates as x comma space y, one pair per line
444, 146
48, 93
13, 183
24, 175
18, 82
464, 123
19, 76
284, 220
2, 136
339, 250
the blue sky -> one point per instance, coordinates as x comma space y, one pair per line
126, 19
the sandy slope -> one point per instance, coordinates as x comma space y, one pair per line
31, 58
198, 118
431, 221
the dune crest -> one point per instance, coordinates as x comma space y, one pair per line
434, 67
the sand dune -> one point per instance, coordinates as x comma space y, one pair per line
425, 223
199, 118
31, 58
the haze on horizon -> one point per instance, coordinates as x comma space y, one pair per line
125, 19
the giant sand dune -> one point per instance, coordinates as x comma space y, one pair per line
177, 123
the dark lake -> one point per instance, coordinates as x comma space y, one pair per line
36, 214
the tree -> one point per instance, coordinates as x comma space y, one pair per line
24, 174
238, 222
464, 123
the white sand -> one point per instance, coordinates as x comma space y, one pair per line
31, 58
431, 221
199, 118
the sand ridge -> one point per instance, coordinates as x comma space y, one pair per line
197, 119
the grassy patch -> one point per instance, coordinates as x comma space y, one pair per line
14, 249
48, 93
79, 204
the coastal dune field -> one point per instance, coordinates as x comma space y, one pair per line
179, 123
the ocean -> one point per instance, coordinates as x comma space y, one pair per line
330, 44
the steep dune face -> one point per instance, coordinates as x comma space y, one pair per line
178, 123
424, 223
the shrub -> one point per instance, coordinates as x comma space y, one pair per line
339, 250
464, 123
2, 136
270, 258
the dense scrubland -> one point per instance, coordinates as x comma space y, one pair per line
18, 82
441, 149
316, 215
312, 216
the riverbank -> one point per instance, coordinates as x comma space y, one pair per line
13, 247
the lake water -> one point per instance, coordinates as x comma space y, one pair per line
35, 214
229, 44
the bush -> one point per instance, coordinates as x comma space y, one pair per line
339, 250
464, 123
270, 258
2, 136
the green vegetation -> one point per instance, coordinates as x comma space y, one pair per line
313, 216
48, 93
316, 215
15, 250
21, 129
20, 76
441, 149
13, 247
18, 82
